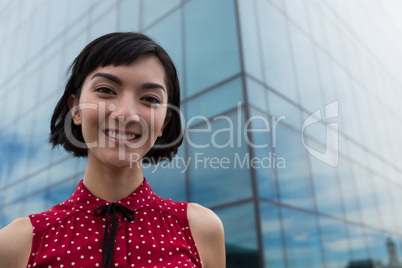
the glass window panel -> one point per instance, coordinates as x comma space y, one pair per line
326, 188
19, 156
35, 203
218, 100
16, 149
315, 135
278, 4
26, 9
335, 243
51, 74
256, 94
76, 8
395, 194
12, 193
62, 170
101, 8
74, 47
348, 190
349, 116
81, 164
333, 44
30, 91
219, 169
5, 54
356, 152
105, 23
324, 68
261, 144
154, 9
40, 150
284, 111
167, 179
36, 182
212, 52
10, 213
57, 18
375, 163
358, 243
315, 16
276, 51
250, 39
129, 15
77, 30
352, 58
61, 191
296, 12
302, 242
6, 146
294, 178
240, 238
377, 246
58, 154
168, 34
20, 45
272, 238
37, 33
11, 21
367, 196
308, 82
12, 104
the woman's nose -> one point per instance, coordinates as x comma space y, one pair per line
125, 110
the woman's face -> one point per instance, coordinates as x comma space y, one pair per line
122, 110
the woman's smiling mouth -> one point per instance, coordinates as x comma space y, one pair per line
119, 136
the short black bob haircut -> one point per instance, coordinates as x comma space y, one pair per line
118, 49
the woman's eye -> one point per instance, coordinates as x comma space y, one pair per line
152, 100
105, 90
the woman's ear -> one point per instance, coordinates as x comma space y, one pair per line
74, 109
167, 119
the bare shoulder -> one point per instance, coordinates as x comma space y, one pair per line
204, 219
208, 233
15, 245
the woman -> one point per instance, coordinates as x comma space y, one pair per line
119, 109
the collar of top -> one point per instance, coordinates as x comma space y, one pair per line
84, 200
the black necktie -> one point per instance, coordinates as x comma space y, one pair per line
108, 244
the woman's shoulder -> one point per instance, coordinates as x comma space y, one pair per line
16, 241
206, 218
207, 230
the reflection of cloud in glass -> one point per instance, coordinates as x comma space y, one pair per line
301, 237
239, 234
342, 245
12, 148
294, 184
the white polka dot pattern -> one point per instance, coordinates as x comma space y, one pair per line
70, 235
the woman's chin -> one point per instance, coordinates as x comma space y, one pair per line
119, 160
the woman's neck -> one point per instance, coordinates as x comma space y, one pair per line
110, 183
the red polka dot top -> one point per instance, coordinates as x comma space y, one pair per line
141, 230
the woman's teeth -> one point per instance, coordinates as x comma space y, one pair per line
119, 136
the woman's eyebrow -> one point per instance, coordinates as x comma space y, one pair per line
152, 85
117, 80
110, 77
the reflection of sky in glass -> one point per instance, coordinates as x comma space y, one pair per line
301, 239
211, 184
272, 239
294, 181
239, 234
335, 243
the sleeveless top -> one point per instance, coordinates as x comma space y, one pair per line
141, 230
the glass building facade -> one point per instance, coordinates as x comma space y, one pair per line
290, 111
